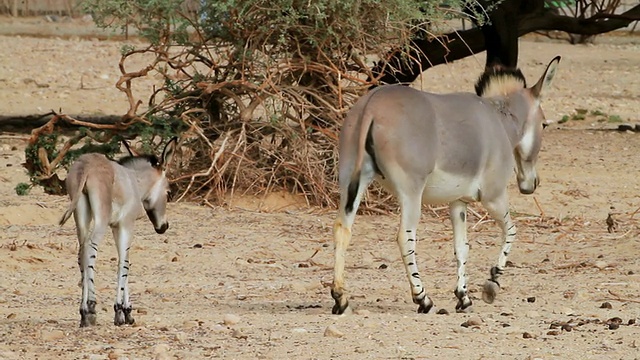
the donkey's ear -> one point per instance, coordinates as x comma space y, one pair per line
169, 150
129, 150
546, 78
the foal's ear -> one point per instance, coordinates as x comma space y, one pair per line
545, 80
129, 150
169, 150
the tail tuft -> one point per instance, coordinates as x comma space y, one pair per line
352, 192
65, 217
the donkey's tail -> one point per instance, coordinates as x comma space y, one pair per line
74, 199
365, 144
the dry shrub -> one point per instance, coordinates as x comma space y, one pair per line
256, 89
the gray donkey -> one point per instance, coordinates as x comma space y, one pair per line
113, 194
430, 148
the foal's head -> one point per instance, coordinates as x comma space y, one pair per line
524, 104
152, 181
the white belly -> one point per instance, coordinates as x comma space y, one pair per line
442, 188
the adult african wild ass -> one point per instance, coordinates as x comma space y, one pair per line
430, 148
113, 194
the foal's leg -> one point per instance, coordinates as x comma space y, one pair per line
342, 237
411, 205
87, 261
122, 305
498, 208
82, 217
458, 216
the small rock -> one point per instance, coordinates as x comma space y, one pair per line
231, 319
568, 311
554, 332
567, 327
52, 335
218, 328
362, 312
191, 324
606, 305
615, 320
299, 330
614, 326
474, 321
382, 266
442, 311
527, 335
601, 265
531, 299
238, 334
631, 321
332, 331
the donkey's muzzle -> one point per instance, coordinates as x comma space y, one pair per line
162, 229
528, 189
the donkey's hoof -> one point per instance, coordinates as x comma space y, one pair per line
464, 305
490, 291
341, 302
128, 319
87, 320
425, 306
119, 318
123, 316
339, 309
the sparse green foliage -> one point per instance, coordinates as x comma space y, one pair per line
597, 115
23, 189
615, 119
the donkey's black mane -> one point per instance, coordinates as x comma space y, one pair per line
498, 72
152, 159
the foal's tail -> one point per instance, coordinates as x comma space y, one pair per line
74, 198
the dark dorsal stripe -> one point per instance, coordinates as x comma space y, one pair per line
152, 159
497, 72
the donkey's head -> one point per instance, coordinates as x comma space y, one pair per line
524, 104
152, 182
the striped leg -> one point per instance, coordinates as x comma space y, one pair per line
342, 237
122, 305
82, 216
410, 215
499, 211
458, 216
87, 255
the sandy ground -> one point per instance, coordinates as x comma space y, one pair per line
244, 282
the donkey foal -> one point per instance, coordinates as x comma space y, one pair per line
431, 148
113, 194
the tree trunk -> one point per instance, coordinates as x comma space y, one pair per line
501, 43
